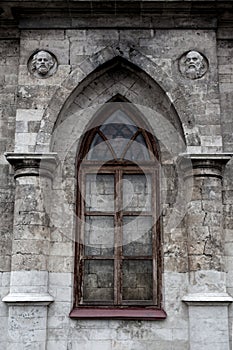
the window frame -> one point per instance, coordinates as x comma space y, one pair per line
144, 311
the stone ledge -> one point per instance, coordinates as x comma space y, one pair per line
224, 157
28, 298
207, 298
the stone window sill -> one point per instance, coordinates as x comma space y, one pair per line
120, 313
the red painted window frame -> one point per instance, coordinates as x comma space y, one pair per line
119, 312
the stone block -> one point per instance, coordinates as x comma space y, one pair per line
34, 247
60, 279
25, 139
61, 249
29, 278
52, 345
211, 141
32, 218
64, 294
205, 262
38, 34
21, 126
29, 261
102, 334
209, 345
228, 249
5, 263
59, 309
61, 264
88, 345
26, 115
26, 79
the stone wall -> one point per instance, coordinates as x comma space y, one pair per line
226, 91
9, 59
42, 122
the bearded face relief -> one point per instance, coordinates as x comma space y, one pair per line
193, 65
43, 64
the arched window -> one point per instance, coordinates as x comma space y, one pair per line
118, 259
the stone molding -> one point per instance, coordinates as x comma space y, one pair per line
27, 298
210, 165
83, 12
33, 164
207, 298
93, 67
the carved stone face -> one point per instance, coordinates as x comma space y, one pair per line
42, 62
193, 64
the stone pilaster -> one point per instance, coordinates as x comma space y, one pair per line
208, 320
29, 297
207, 299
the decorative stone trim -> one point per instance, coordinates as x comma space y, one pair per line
27, 298
94, 66
193, 64
207, 298
42, 64
204, 164
33, 164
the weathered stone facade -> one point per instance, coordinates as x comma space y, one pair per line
174, 61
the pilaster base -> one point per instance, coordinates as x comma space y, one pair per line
208, 320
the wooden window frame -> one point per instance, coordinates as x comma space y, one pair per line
119, 310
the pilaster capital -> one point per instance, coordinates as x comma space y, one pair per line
33, 164
209, 164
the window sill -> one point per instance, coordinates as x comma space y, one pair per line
118, 314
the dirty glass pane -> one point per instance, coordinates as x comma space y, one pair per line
137, 150
137, 280
119, 144
98, 280
137, 192
99, 235
137, 235
118, 124
99, 192
118, 129
99, 150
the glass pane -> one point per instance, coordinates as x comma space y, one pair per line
99, 150
118, 129
99, 235
137, 280
98, 280
138, 150
118, 145
118, 124
137, 192
137, 235
99, 192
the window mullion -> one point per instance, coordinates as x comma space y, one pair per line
81, 228
154, 207
118, 238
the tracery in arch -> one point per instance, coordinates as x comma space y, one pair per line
118, 138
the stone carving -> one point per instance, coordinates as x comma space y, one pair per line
42, 64
193, 65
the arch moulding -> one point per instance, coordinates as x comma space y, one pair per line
90, 67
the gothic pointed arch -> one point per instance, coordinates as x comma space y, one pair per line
93, 68
118, 131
